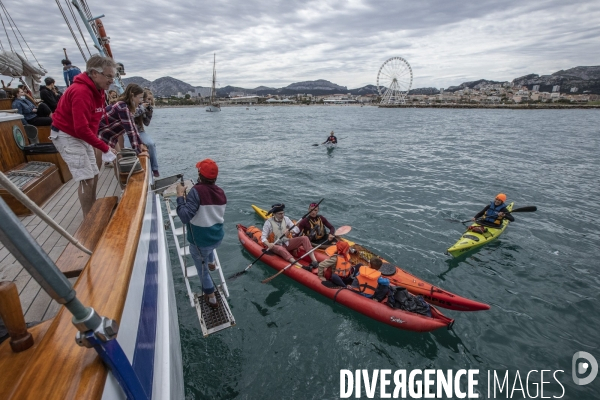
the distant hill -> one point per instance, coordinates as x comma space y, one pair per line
319, 84
428, 91
583, 78
166, 86
369, 89
472, 85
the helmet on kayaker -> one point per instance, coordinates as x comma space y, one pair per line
501, 197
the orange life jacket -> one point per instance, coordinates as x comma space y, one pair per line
343, 267
254, 233
368, 280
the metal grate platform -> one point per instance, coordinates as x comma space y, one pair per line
213, 319
30, 171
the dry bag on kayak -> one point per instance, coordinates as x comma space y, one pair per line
401, 299
477, 229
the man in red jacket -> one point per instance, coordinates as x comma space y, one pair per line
75, 126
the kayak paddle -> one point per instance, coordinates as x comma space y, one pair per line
342, 230
522, 209
282, 236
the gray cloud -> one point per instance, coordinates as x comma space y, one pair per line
276, 43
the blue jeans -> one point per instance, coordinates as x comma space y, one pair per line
147, 140
202, 257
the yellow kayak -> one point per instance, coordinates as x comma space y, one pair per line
471, 240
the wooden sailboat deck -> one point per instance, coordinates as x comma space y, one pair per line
64, 208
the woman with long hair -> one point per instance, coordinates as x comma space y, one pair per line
118, 120
143, 116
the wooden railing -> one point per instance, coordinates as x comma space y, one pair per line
58, 368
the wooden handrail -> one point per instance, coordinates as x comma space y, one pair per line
59, 368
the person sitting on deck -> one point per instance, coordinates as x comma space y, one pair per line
314, 226
69, 72
50, 93
369, 282
331, 139
118, 120
342, 270
279, 225
494, 213
32, 114
203, 212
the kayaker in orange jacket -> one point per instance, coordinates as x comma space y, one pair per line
369, 282
342, 270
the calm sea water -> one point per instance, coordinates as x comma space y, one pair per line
399, 177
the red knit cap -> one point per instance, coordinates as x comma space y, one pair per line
208, 168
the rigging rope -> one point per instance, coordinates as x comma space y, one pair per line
70, 28
77, 23
7, 37
12, 25
22, 37
88, 14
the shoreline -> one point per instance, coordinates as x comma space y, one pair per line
465, 106
498, 106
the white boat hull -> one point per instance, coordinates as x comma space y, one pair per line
212, 108
149, 328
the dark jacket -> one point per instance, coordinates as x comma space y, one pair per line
49, 97
25, 108
507, 213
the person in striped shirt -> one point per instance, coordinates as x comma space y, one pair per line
203, 211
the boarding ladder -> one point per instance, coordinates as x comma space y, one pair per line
211, 320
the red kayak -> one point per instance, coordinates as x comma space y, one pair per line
399, 277
378, 311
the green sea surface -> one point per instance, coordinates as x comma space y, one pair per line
401, 178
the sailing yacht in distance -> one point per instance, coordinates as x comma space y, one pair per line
214, 105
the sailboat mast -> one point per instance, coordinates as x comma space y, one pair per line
212, 92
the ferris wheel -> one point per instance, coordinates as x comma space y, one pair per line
394, 80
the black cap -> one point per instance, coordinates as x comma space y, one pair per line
66, 62
275, 208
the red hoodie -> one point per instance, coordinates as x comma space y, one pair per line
79, 111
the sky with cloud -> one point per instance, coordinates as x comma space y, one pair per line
277, 42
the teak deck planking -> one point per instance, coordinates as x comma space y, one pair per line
64, 208
103, 284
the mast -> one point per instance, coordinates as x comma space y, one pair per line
102, 50
214, 81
